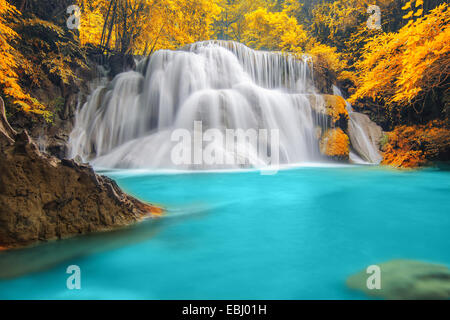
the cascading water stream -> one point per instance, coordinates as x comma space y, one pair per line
367, 150
129, 122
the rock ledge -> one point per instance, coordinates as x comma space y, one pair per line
43, 198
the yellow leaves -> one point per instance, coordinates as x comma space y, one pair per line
402, 149
336, 108
179, 22
335, 143
327, 58
338, 16
46, 26
148, 25
59, 65
407, 5
274, 31
91, 26
411, 13
7, 9
9, 62
408, 15
399, 68
292, 7
348, 75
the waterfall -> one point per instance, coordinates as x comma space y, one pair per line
364, 136
129, 122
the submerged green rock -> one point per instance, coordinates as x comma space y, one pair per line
406, 279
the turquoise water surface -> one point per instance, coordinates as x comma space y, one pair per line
294, 235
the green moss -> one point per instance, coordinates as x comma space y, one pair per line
384, 140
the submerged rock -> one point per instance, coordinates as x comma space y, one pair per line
44, 198
406, 279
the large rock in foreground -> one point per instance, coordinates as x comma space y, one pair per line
43, 198
407, 279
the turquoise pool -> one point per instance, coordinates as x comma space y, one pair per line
295, 235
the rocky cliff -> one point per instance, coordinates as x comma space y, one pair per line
44, 198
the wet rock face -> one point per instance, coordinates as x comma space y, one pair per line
330, 110
333, 118
43, 198
365, 136
119, 63
406, 279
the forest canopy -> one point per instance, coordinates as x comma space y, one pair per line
393, 56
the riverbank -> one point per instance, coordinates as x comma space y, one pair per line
43, 198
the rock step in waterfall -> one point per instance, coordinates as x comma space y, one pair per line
128, 122
365, 135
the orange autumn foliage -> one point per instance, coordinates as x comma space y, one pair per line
144, 26
274, 31
327, 59
415, 146
336, 108
9, 63
403, 67
335, 143
281, 31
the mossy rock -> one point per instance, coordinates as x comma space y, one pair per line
406, 279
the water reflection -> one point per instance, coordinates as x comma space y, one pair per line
16, 263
